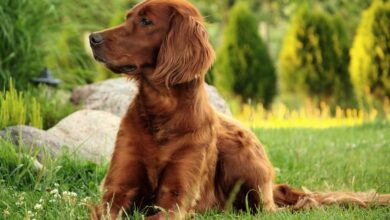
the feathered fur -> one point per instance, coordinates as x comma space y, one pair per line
172, 149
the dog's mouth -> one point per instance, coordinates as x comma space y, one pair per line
127, 69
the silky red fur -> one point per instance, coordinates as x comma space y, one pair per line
172, 149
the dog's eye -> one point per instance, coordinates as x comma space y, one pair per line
146, 22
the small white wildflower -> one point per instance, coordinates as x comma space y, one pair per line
57, 196
56, 184
6, 212
41, 200
70, 194
70, 197
20, 203
30, 213
52, 200
54, 191
21, 197
38, 206
86, 199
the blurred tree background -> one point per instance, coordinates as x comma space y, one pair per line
315, 56
370, 59
270, 51
243, 64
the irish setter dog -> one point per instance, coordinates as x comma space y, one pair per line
172, 149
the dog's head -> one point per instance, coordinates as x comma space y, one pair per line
162, 41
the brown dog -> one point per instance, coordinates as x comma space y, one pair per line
172, 149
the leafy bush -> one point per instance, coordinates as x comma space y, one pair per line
243, 64
69, 57
53, 33
22, 35
314, 57
20, 108
15, 109
54, 104
370, 54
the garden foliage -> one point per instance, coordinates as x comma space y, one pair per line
54, 104
22, 37
53, 33
15, 109
314, 57
39, 107
243, 64
370, 53
68, 45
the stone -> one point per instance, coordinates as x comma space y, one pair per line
86, 134
90, 133
115, 95
33, 139
218, 103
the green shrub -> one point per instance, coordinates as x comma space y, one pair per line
22, 35
54, 104
243, 64
370, 54
15, 109
53, 33
69, 57
40, 107
314, 58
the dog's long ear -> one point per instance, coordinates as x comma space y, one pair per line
186, 53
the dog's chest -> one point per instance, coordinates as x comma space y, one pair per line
156, 160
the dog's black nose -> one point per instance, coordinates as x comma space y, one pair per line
96, 39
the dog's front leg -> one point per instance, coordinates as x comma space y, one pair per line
123, 181
179, 188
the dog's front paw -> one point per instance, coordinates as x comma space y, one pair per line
96, 213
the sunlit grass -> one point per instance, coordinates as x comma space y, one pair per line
308, 116
344, 158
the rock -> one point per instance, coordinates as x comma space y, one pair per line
115, 95
112, 95
33, 139
37, 165
90, 133
217, 101
35, 162
87, 134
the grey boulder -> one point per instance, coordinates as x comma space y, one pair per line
86, 134
115, 95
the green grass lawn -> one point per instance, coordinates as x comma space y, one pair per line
356, 158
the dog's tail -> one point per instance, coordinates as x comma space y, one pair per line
286, 196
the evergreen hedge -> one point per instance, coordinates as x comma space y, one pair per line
314, 57
243, 64
370, 53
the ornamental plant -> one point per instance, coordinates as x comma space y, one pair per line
243, 65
